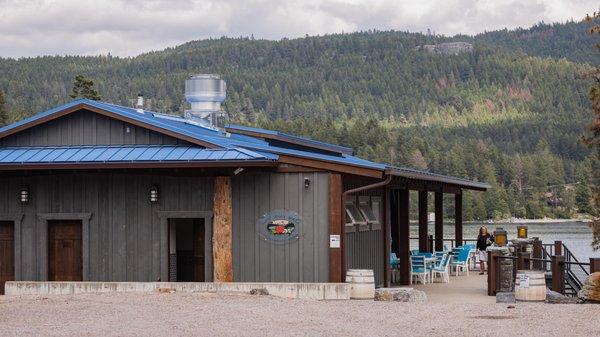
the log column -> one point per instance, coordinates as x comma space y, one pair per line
423, 244
458, 219
336, 262
439, 221
222, 231
404, 236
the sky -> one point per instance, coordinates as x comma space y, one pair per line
131, 27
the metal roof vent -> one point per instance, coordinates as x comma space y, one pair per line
205, 93
139, 104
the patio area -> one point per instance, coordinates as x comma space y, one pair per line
461, 289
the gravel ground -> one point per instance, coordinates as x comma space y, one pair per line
185, 314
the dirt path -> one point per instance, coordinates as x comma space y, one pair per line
179, 314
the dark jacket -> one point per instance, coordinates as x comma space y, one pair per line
482, 241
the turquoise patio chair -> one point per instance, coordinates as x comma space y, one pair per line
442, 269
418, 269
460, 260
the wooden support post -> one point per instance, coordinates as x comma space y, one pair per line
439, 221
594, 265
537, 254
430, 243
335, 227
491, 272
458, 218
523, 261
404, 236
423, 232
558, 274
387, 232
558, 248
222, 231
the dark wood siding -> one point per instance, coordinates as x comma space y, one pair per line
86, 128
305, 259
126, 237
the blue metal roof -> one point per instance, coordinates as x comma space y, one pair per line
227, 146
218, 138
124, 154
291, 138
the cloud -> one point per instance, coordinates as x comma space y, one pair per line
126, 28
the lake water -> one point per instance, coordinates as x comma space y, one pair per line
577, 236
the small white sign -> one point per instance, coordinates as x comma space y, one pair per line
334, 241
523, 281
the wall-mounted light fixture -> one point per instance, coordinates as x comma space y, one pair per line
24, 197
306, 183
154, 194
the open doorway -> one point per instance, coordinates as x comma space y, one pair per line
187, 250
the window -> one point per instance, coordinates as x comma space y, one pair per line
353, 217
376, 208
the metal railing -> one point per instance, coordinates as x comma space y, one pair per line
452, 242
559, 271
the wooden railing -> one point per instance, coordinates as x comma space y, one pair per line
563, 279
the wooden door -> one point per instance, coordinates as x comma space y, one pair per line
65, 250
199, 250
7, 253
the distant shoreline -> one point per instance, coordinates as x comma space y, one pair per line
512, 221
517, 221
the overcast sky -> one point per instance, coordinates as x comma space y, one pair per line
131, 27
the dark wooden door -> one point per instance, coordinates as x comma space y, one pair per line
7, 253
65, 250
199, 250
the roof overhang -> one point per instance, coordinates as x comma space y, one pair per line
138, 165
425, 176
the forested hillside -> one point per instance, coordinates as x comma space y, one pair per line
512, 112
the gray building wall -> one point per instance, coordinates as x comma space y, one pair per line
124, 235
86, 128
305, 259
364, 249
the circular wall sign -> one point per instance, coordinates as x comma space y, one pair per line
279, 225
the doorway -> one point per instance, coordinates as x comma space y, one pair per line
65, 253
7, 253
187, 250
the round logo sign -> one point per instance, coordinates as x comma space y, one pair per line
279, 225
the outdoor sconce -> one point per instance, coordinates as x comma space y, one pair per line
306, 183
500, 237
154, 194
522, 232
24, 194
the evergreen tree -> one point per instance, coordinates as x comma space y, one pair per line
84, 88
583, 192
594, 139
3, 111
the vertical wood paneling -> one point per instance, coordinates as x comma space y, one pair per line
86, 128
302, 260
124, 230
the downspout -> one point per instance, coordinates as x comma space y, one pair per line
382, 183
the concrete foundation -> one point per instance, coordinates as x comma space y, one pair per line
313, 291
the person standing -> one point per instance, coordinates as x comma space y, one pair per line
484, 240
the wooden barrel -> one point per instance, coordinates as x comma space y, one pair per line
362, 283
530, 285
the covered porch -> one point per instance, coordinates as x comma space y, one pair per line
396, 194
